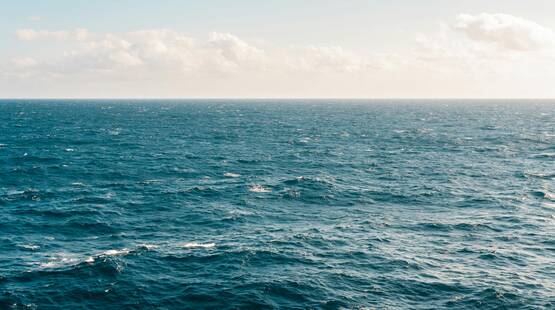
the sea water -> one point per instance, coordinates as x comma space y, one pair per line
335, 204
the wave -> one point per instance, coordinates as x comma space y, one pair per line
445, 227
546, 176
205, 191
192, 245
123, 251
94, 199
296, 180
61, 260
259, 189
249, 161
16, 192
313, 183
549, 196
147, 246
68, 260
544, 194
150, 182
31, 247
114, 132
65, 259
61, 213
544, 155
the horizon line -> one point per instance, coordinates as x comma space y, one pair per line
275, 98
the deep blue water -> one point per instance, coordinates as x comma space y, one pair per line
277, 204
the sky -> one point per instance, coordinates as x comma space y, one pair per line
277, 49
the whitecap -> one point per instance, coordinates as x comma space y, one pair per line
78, 184
540, 175
14, 192
109, 195
123, 251
549, 196
231, 175
69, 150
239, 212
50, 264
259, 189
544, 155
147, 246
61, 260
114, 132
191, 245
32, 247
150, 181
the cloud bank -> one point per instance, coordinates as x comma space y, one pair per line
472, 56
165, 49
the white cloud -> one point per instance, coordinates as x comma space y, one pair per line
507, 31
167, 50
327, 59
62, 35
472, 56
24, 62
232, 48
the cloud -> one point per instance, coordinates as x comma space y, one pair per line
510, 32
62, 35
326, 59
24, 62
471, 56
165, 50
233, 49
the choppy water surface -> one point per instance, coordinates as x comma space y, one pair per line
289, 204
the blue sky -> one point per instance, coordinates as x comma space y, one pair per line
337, 29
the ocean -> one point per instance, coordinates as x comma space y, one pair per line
277, 204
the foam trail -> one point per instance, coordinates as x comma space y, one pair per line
192, 245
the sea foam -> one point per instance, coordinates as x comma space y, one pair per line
259, 189
192, 245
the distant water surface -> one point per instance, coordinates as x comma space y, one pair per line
277, 204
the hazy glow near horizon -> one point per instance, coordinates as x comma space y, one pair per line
368, 49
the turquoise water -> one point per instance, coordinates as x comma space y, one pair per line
277, 204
